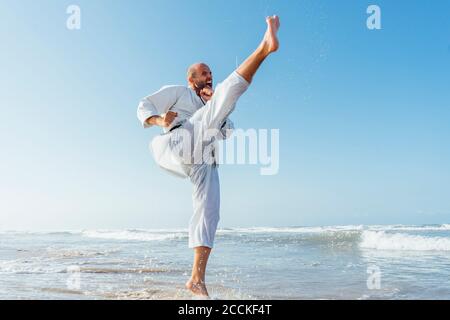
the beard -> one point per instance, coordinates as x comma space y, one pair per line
200, 85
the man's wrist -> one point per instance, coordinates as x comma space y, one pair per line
154, 120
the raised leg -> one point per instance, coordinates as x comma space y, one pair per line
223, 102
268, 45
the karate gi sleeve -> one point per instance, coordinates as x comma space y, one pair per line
158, 103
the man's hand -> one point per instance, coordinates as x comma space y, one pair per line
206, 93
165, 120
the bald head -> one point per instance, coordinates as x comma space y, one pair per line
196, 68
199, 76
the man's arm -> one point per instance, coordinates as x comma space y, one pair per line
164, 120
153, 109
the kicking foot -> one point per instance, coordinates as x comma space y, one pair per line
198, 288
270, 42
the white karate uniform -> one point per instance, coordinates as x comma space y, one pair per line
196, 120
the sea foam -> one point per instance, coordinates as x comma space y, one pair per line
381, 240
133, 235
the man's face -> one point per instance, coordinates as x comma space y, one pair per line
201, 78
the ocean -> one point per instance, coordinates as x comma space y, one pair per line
336, 262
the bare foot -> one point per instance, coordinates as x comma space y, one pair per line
198, 288
270, 42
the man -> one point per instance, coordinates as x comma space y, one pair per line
192, 119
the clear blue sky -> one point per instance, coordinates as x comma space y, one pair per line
363, 115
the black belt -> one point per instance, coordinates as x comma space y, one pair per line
176, 127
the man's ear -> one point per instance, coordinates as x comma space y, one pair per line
190, 81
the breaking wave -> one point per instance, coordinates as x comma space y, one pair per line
381, 240
133, 235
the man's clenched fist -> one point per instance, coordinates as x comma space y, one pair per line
206, 93
167, 118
